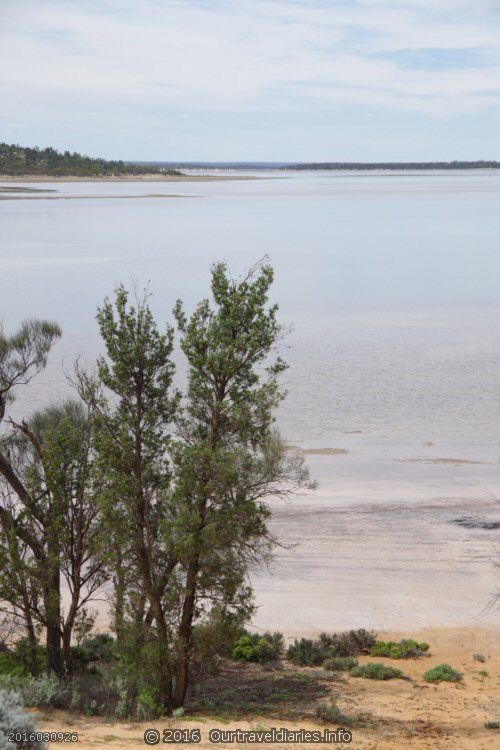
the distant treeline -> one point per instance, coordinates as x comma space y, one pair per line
398, 165
18, 161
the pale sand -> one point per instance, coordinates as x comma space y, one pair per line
404, 714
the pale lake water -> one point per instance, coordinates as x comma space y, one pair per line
392, 285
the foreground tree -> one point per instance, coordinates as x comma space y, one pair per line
228, 458
48, 513
133, 405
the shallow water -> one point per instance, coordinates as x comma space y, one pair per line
390, 282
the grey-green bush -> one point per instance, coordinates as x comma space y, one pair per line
375, 671
442, 673
340, 663
13, 718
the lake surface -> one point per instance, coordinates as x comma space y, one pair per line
391, 285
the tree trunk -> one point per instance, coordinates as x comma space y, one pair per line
52, 602
33, 646
185, 634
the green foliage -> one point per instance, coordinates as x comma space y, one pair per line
374, 671
100, 647
18, 661
492, 724
254, 647
16, 160
443, 673
330, 713
13, 718
404, 649
307, 652
9, 665
42, 692
340, 663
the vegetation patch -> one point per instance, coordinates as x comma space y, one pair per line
245, 689
259, 648
443, 673
376, 672
330, 713
404, 649
340, 663
307, 652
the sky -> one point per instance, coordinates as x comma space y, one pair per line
253, 80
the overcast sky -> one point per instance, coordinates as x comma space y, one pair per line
253, 79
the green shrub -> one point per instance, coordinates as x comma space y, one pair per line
442, 673
14, 719
253, 647
306, 652
374, 671
101, 647
330, 713
340, 663
9, 665
404, 649
216, 637
492, 724
42, 692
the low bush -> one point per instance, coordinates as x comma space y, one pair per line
442, 673
13, 718
479, 657
492, 724
257, 648
42, 692
404, 649
306, 652
375, 672
340, 663
330, 713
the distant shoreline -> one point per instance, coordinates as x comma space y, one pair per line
127, 178
393, 166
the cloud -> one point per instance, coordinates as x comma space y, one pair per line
123, 58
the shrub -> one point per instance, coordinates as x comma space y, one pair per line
306, 652
479, 657
253, 647
442, 673
42, 692
215, 637
376, 672
330, 713
9, 665
340, 663
101, 647
14, 719
404, 649
492, 724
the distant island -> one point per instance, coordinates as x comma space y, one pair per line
395, 165
18, 161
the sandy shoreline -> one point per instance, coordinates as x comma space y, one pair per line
396, 714
131, 178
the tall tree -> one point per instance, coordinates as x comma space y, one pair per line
229, 457
50, 531
22, 356
134, 405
